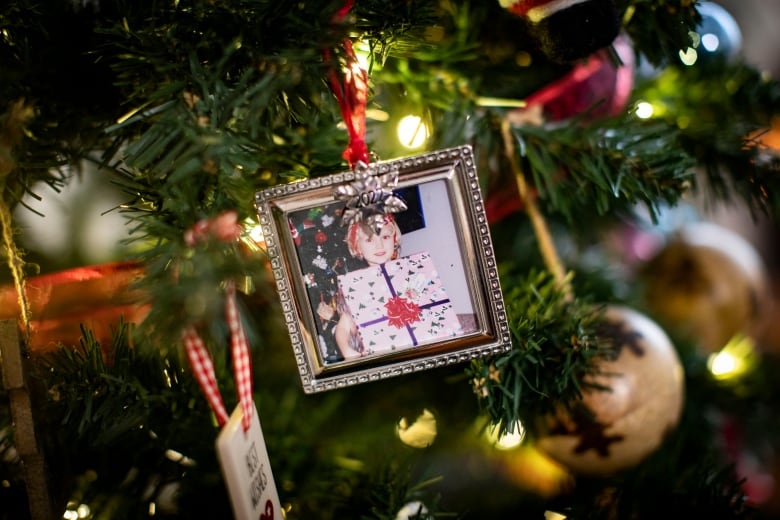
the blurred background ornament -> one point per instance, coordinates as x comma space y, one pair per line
618, 427
598, 86
567, 30
707, 284
719, 33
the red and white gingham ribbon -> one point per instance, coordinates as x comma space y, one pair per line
224, 227
203, 366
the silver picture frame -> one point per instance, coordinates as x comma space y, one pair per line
443, 244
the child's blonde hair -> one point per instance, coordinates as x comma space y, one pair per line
355, 227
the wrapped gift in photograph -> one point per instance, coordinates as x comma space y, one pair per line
399, 304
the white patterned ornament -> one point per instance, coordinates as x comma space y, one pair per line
631, 420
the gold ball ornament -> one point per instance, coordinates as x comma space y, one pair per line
616, 428
707, 284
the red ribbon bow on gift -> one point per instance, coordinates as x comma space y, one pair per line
401, 312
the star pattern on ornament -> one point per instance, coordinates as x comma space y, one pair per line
592, 434
621, 335
369, 197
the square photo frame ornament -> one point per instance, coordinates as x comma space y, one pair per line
431, 298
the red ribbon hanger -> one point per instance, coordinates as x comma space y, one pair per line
351, 91
224, 227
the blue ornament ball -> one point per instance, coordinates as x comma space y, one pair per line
719, 33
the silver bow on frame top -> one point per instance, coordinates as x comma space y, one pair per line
369, 198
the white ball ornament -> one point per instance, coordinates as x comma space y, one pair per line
620, 426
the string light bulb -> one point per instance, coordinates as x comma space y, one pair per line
732, 361
255, 232
412, 131
644, 110
82, 511
512, 438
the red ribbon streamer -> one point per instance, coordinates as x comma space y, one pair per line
351, 92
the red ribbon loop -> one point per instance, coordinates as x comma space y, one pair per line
224, 227
351, 92
203, 366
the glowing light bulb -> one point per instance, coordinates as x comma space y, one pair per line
256, 232
710, 42
509, 440
362, 53
419, 434
722, 363
644, 110
733, 360
689, 56
412, 131
182, 459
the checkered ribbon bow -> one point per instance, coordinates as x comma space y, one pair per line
224, 227
203, 366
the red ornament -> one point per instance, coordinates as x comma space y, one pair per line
320, 237
595, 88
597, 85
224, 227
401, 312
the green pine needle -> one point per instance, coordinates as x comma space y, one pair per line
554, 347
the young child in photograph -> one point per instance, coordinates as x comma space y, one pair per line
393, 303
364, 244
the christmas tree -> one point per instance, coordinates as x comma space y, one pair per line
633, 356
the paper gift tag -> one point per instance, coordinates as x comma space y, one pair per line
247, 470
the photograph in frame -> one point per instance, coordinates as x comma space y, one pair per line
371, 289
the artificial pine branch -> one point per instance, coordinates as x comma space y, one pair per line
614, 165
659, 29
103, 397
718, 122
554, 346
